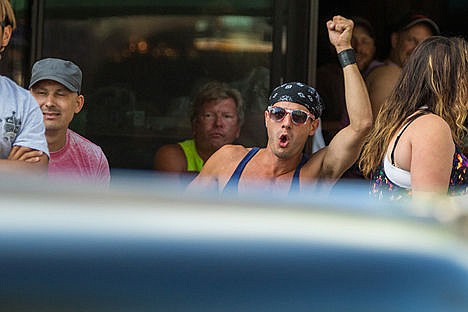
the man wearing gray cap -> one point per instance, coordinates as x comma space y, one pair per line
281, 168
409, 31
56, 85
23, 147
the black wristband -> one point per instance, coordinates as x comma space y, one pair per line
347, 57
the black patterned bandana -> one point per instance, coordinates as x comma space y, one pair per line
300, 93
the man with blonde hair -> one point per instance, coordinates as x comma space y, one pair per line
217, 117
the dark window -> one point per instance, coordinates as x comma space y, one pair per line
142, 61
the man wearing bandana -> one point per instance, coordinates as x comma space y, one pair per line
291, 117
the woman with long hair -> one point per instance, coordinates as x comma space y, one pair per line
415, 145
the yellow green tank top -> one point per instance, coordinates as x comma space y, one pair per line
194, 162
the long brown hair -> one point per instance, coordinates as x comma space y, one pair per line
436, 75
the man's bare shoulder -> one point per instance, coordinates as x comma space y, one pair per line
229, 153
384, 72
170, 157
224, 161
234, 148
170, 149
218, 168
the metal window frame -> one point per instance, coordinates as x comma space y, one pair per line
37, 32
294, 47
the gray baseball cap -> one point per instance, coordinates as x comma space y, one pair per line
412, 18
61, 71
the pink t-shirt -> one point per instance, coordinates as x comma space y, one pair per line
79, 160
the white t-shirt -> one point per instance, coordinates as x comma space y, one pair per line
21, 120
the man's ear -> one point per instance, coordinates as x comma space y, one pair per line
238, 132
79, 103
314, 127
7, 30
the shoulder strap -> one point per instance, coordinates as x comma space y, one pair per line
410, 120
231, 185
295, 181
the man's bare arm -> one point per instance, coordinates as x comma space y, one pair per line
345, 147
170, 158
25, 154
25, 160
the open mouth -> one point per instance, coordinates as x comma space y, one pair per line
283, 140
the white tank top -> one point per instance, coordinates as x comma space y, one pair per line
399, 176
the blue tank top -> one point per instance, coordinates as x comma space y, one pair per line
233, 183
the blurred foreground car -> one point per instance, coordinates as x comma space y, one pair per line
148, 248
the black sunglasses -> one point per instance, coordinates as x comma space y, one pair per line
299, 117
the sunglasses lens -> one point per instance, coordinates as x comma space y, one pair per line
299, 117
277, 113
